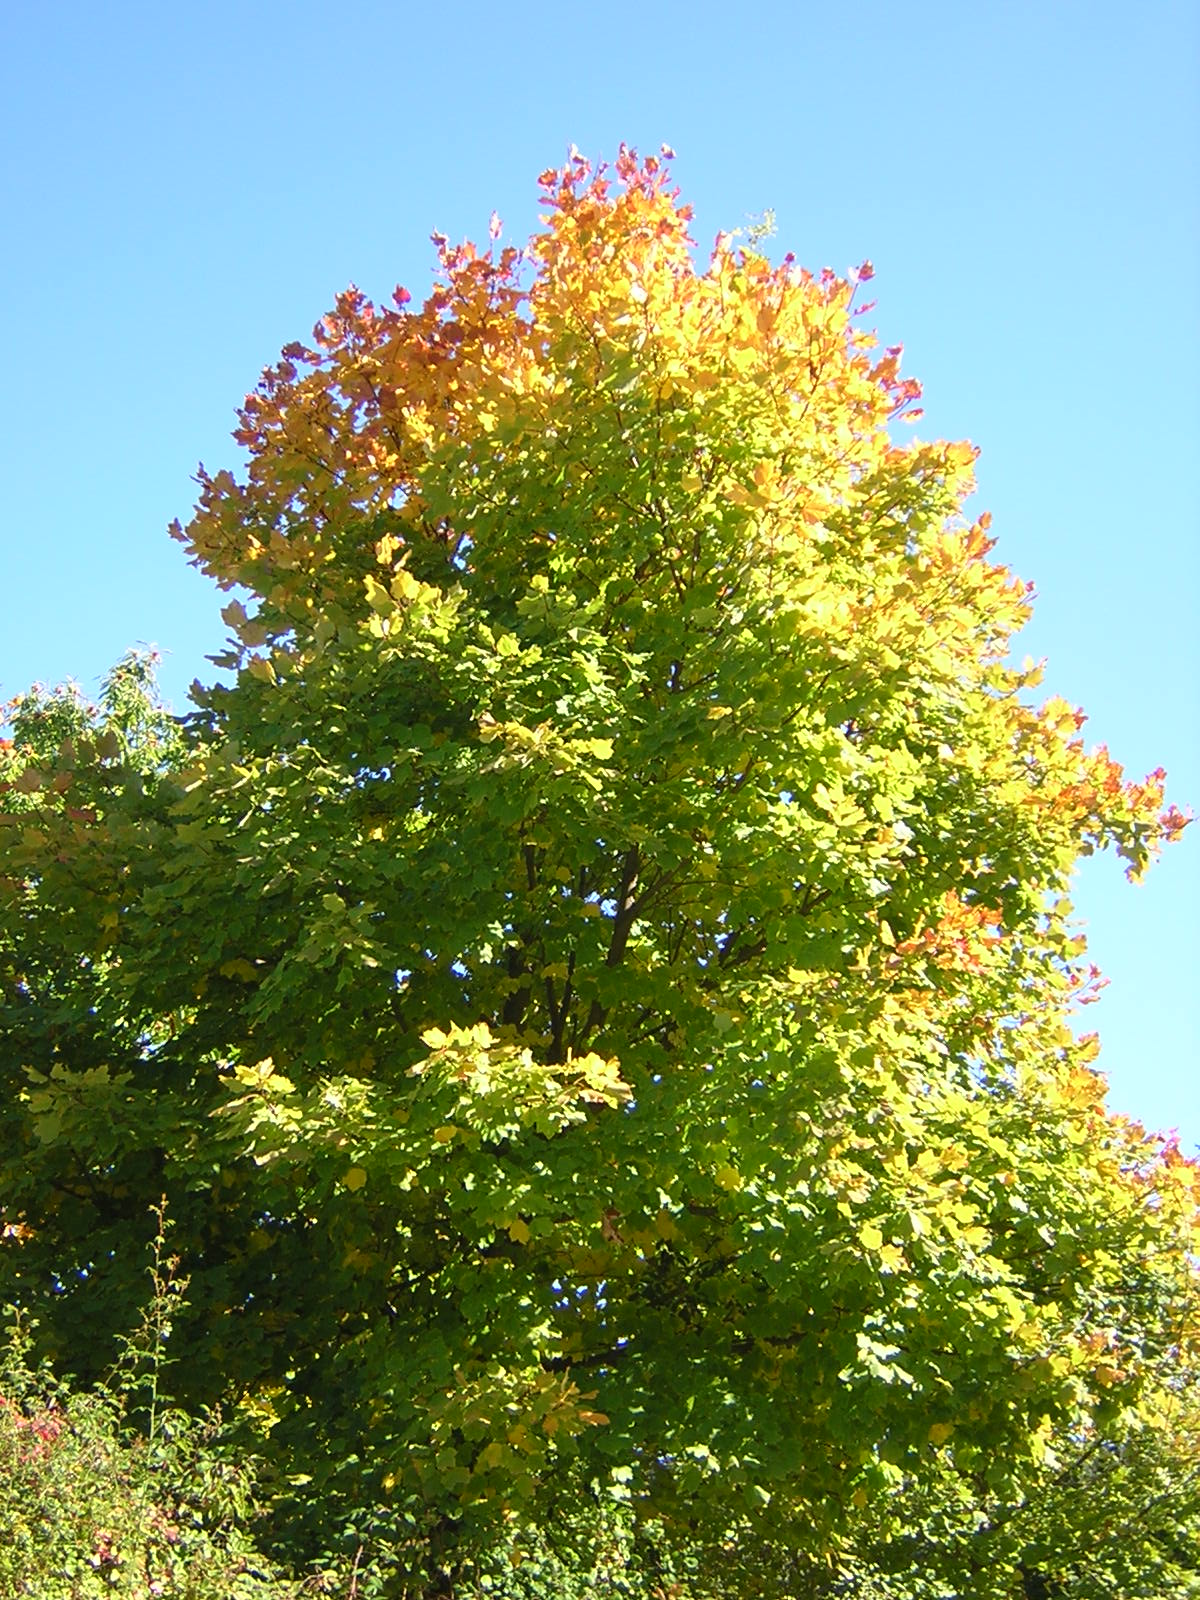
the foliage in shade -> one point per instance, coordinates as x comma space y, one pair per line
595, 986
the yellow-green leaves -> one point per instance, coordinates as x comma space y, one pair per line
870, 1237
498, 1088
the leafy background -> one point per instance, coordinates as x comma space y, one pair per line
185, 189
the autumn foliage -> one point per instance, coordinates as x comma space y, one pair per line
595, 983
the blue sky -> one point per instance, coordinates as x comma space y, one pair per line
185, 188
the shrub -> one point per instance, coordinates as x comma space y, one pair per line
93, 1505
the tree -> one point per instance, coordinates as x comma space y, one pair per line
595, 986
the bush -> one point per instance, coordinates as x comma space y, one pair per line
93, 1505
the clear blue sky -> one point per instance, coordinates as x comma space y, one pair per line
186, 187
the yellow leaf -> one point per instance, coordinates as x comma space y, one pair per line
940, 1432
378, 598
259, 667
518, 1231
869, 1236
444, 1134
404, 586
354, 1179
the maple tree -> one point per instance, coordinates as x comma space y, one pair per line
595, 985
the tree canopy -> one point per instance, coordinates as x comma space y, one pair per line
594, 985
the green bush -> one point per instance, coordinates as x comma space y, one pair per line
110, 1491
87, 1509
